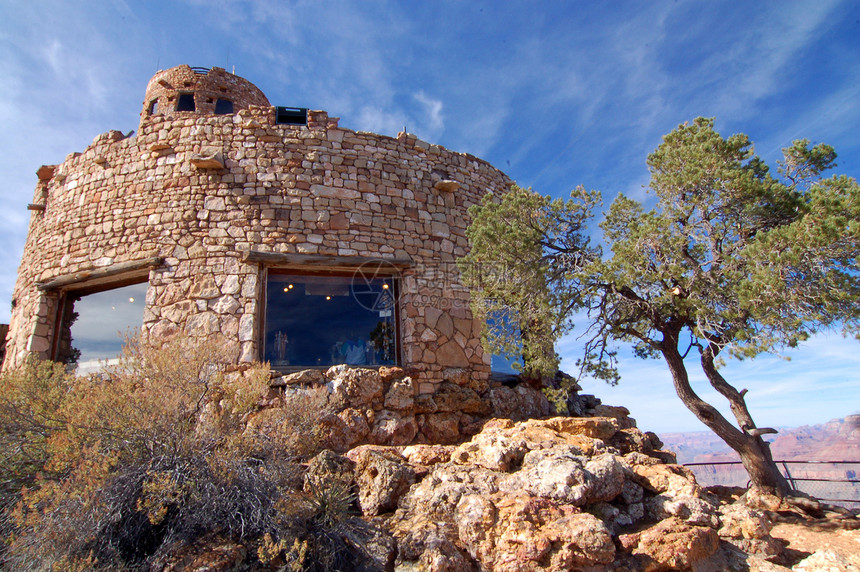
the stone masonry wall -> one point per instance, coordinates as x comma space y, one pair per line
317, 189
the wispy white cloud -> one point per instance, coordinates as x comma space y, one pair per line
432, 117
378, 120
761, 63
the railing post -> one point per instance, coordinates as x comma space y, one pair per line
789, 477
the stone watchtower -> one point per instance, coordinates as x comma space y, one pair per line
199, 90
300, 242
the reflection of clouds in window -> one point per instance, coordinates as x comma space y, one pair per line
103, 319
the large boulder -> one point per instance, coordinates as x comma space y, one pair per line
671, 544
354, 387
382, 476
520, 532
561, 474
393, 428
747, 529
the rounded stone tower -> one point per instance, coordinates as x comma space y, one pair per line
296, 241
186, 89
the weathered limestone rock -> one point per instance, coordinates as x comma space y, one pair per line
450, 397
328, 469
518, 403
543, 494
305, 377
337, 435
401, 394
377, 548
356, 423
561, 474
825, 561
443, 428
748, 529
382, 477
428, 545
388, 373
353, 386
393, 429
673, 479
427, 455
516, 532
622, 414
493, 451
671, 544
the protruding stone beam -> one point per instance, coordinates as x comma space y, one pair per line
446, 185
286, 259
95, 274
45, 172
208, 158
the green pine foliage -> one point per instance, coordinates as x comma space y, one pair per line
733, 260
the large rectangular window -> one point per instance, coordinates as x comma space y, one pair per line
322, 320
94, 325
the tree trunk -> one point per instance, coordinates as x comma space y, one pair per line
759, 461
753, 450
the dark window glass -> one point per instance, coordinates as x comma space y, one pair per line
291, 115
185, 102
328, 320
223, 107
97, 324
153, 107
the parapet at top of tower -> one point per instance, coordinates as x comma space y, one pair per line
186, 89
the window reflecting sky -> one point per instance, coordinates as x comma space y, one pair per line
103, 319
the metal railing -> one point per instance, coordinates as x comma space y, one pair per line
824, 480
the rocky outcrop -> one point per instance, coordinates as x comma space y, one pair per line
552, 494
465, 480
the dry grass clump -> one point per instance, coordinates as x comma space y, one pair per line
120, 469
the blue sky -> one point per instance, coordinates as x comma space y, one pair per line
557, 94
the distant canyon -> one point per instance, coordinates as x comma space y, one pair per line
836, 440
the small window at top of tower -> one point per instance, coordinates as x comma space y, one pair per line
186, 102
223, 107
153, 107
